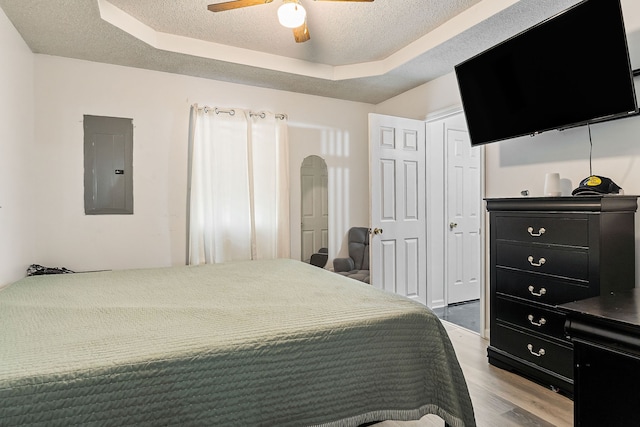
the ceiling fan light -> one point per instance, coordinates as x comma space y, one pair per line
291, 15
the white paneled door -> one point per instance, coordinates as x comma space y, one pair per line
398, 223
463, 199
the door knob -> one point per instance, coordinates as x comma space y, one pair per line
377, 231
452, 225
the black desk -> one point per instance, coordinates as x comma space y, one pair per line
605, 332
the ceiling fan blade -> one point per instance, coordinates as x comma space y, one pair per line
346, 0
235, 4
301, 33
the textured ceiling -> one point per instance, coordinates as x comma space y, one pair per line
341, 33
366, 52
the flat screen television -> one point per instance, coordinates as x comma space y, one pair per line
568, 70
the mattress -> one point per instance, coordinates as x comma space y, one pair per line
260, 343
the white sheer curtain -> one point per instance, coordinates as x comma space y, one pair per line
238, 186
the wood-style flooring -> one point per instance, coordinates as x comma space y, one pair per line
500, 398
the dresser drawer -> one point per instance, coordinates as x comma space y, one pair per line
530, 317
538, 351
540, 288
565, 262
556, 230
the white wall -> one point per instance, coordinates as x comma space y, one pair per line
437, 95
16, 150
158, 103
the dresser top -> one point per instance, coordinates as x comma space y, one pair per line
604, 203
619, 307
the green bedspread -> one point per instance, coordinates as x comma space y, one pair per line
261, 343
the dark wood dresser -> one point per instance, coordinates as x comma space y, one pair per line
605, 332
547, 251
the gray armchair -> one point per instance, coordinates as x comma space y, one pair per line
357, 265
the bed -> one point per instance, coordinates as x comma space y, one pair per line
260, 343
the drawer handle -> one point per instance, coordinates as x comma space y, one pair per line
540, 353
541, 322
536, 264
539, 294
538, 234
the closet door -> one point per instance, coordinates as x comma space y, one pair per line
398, 223
463, 213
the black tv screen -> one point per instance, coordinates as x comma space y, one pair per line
568, 70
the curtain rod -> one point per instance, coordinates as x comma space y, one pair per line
232, 112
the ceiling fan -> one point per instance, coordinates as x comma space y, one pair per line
291, 14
